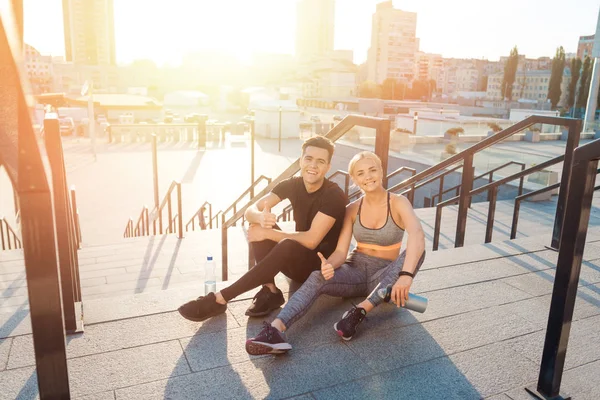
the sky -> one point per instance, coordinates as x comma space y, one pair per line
165, 30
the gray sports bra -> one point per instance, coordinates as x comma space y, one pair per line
389, 236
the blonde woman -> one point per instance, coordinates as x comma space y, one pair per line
378, 222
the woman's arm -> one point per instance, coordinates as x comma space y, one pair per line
415, 246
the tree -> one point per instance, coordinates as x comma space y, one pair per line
510, 72
388, 88
584, 87
575, 72
369, 89
558, 68
422, 89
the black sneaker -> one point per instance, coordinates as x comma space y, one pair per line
268, 341
264, 302
346, 327
202, 308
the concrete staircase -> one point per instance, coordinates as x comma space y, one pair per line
481, 336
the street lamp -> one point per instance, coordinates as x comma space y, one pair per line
415, 120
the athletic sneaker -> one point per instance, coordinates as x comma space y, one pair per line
202, 308
346, 327
264, 302
268, 341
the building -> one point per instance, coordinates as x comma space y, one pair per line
39, 70
585, 45
69, 77
394, 44
89, 32
315, 28
429, 66
529, 86
328, 77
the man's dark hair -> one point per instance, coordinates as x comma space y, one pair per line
320, 142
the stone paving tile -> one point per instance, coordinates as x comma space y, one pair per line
584, 343
464, 274
102, 272
108, 371
263, 377
110, 395
385, 349
495, 368
427, 380
123, 334
19, 384
12, 267
5, 345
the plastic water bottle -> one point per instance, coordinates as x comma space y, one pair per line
414, 302
210, 283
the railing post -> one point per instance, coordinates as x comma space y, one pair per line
564, 292
382, 146
464, 200
489, 194
68, 275
179, 212
515, 220
169, 213
2, 222
155, 171
489, 229
223, 252
75, 217
436, 230
441, 191
572, 143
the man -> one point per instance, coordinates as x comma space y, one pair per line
319, 207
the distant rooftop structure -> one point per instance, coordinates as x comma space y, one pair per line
122, 101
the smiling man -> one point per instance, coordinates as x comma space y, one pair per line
319, 207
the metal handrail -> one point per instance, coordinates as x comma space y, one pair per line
76, 224
201, 218
216, 218
441, 177
6, 243
521, 198
142, 226
492, 189
491, 174
346, 176
233, 205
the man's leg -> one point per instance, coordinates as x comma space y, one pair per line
298, 259
289, 256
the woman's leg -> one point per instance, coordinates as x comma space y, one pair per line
348, 281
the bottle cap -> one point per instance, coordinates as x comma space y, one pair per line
209, 258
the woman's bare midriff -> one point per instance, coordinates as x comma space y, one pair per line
386, 255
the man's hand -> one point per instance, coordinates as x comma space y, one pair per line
267, 218
257, 233
326, 268
400, 290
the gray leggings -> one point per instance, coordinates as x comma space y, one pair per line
357, 277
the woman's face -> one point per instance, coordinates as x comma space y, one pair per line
367, 175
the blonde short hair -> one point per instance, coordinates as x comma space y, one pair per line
363, 155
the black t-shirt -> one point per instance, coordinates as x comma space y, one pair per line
329, 199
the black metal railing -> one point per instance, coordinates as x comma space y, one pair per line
382, 139
201, 217
8, 237
234, 206
579, 186
521, 198
492, 189
466, 156
456, 188
155, 218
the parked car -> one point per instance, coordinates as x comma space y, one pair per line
67, 126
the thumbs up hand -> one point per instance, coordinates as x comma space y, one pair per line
267, 218
326, 267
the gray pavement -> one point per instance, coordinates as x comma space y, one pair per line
481, 336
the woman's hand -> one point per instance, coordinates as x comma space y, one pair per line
400, 290
326, 268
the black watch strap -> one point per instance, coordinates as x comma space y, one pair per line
406, 273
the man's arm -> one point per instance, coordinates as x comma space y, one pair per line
319, 227
255, 215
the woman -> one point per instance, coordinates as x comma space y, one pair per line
378, 222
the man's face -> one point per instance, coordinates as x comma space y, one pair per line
314, 164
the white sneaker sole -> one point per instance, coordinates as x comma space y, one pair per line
260, 348
340, 333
